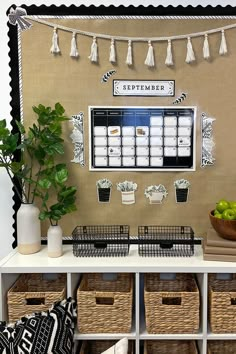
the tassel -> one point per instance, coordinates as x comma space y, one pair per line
55, 48
190, 57
94, 51
169, 57
112, 57
150, 56
129, 54
206, 50
223, 46
74, 51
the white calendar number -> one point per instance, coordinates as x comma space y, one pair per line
128, 161
157, 161
156, 131
100, 141
170, 151
170, 121
142, 161
128, 140
100, 151
156, 140
184, 131
141, 141
130, 131
186, 121
170, 141
156, 151
128, 151
101, 161
170, 131
114, 161
142, 151
184, 151
100, 131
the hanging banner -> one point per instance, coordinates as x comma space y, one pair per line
143, 88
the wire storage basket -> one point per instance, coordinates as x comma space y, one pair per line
170, 346
171, 306
221, 347
105, 305
99, 346
222, 301
175, 241
101, 241
33, 293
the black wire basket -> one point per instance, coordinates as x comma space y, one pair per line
166, 241
101, 241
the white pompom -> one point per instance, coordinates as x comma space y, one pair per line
169, 57
223, 46
129, 60
190, 57
55, 47
74, 51
94, 51
149, 61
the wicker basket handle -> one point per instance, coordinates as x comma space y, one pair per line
172, 300
108, 300
35, 299
233, 298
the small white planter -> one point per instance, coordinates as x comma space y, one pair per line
128, 197
156, 198
28, 229
54, 238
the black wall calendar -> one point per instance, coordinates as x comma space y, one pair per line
142, 138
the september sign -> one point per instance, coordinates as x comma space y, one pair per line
144, 88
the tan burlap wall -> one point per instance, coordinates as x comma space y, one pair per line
76, 84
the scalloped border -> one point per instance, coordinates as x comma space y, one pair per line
91, 10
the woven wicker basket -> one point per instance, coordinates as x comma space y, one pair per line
222, 301
221, 347
32, 293
99, 346
105, 306
170, 347
171, 306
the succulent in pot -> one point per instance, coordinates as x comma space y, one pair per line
127, 189
156, 193
104, 187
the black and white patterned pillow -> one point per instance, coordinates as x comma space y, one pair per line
48, 332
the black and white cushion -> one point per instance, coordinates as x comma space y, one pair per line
42, 333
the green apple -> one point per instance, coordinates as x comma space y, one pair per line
228, 214
219, 216
232, 205
222, 205
216, 212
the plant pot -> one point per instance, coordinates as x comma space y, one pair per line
181, 195
54, 238
104, 195
156, 198
28, 229
128, 197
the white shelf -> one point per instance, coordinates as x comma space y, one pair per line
15, 264
41, 263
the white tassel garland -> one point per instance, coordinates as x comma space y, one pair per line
223, 45
74, 51
190, 57
169, 57
94, 51
206, 49
129, 60
112, 57
55, 47
149, 61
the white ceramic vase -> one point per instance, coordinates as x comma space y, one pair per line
28, 229
54, 236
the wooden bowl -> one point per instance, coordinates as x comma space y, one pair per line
225, 228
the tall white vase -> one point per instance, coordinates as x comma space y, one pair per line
28, 229
54, 236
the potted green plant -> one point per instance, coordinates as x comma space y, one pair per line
181, 190
127, 189
40, 144
156, 193
53, 183
104, 186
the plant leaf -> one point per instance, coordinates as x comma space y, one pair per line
61, 176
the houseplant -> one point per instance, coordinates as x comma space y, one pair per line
156, 193
53, 182
127, 189
40, 144
181, 190
104, 186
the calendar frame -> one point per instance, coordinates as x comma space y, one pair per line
148, 168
